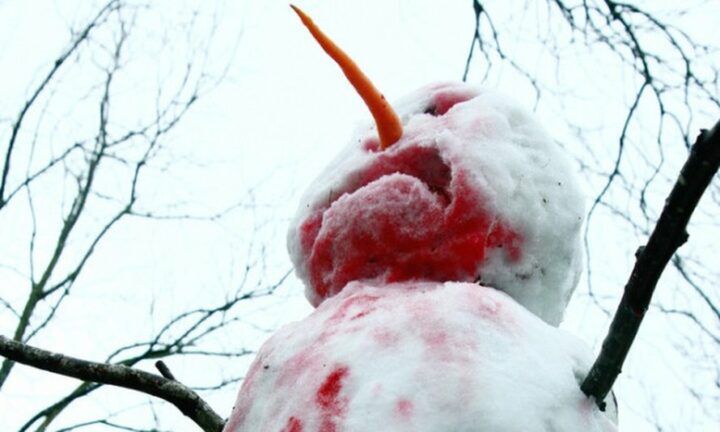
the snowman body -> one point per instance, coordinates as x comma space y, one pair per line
418, 357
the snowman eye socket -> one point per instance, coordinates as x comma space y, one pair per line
431, 110
442, 105
443, 101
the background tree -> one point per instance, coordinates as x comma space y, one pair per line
86, 151
669, 80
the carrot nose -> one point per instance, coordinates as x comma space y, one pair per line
387, 121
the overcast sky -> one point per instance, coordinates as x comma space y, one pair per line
253, 143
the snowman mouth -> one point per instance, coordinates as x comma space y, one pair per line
407, 215
422, 163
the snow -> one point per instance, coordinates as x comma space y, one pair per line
418, 356
474, 190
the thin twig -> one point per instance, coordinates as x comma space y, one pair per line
190, 326
17, 124
164, 370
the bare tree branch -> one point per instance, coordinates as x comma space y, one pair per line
496, 46
662, 77
38, 288
164, 370
17, 123
105, 422
185, 399
669, 234
90, 207
189, 325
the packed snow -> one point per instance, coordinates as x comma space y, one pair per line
420, 357
474, 191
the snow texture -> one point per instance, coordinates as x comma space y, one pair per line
419, 357
473, 191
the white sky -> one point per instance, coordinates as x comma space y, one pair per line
280, 115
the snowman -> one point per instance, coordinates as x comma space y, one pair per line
440, 248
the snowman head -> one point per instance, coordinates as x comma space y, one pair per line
455, 183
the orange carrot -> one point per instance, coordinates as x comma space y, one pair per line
387, 121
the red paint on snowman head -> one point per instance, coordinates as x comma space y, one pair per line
410, 213
407, 217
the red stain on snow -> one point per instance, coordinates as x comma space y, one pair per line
307, 359
358, 305
245, 400
310, 228
385, 337
404, 408
293, 425
435, 339
493, 306
441, 234
295, 366
235, 420
332, 407
447, 99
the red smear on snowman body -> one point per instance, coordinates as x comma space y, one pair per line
407, 216
352, 308
357, 306
295, 366
244, 403
385, 338
330, 406
327, 398
293, 425
404, 408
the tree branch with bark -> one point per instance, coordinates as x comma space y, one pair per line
182, 397
669, 234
